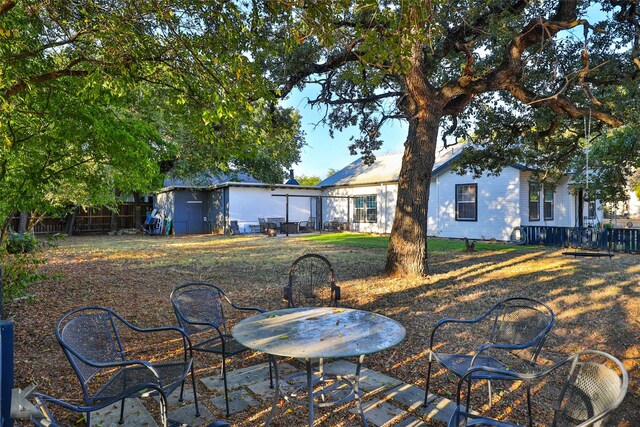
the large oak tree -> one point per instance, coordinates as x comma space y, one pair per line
514, 77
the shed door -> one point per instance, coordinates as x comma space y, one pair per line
195, 217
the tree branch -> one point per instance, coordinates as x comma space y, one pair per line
344, 101
6, 6
52, 75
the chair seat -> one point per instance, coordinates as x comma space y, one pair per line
459, 364
132, 381
231, 346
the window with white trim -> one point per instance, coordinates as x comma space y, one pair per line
466, 202
365, 209
534, 201
548, 203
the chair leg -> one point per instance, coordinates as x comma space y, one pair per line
88, 419
182, 392
121, 420
426, 387
164, 414
490, 396
195, 392
224, 378
468, 395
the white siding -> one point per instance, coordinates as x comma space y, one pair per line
497, 204
247, 204
341, 209
564, 205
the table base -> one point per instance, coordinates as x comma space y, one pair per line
323, 393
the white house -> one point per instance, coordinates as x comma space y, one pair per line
488, 207
210, 204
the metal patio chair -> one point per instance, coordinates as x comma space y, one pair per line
312, 282
46, 418
199, 308
100, 344
514, 324
588, 390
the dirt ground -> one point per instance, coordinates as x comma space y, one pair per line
596, 301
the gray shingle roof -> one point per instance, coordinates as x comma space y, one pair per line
206, 180
386, 168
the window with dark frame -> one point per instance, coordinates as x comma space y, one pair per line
365, 209
534, 201
466, 202
548, 203
591, 209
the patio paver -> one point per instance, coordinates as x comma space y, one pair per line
239, 400
135, 415
380, 413
397, 404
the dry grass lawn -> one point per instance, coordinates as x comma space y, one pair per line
597, 303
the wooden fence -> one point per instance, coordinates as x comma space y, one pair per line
617, 239
92, 220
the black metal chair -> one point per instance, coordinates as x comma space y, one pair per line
199, 308
514, 324
588, 390
46, 418
94, 338
312, 282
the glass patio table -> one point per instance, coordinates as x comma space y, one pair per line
315, 333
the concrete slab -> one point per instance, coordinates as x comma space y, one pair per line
409, 396
369, 380
263, 390
135, 415
239, 400
411, 422
173, 398
439, 410
379, 413
186, 416
242, 377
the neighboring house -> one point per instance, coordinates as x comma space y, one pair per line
209, 204
488, 207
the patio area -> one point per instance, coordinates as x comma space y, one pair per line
597, 306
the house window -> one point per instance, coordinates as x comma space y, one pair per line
548, 203
366, 209
534, 201
466, 202
591, 209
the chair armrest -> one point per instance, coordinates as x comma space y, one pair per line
238, 307
446, 320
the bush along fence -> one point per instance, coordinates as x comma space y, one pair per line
616, 239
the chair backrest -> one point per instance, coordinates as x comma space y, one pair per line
521, 321
89, 333
312, 282
592, 391
198, 306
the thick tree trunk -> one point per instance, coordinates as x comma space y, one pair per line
407, 252
22, 223
423, 105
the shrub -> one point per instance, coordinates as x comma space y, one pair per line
21, 243
18, 272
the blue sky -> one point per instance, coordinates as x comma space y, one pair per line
322, 152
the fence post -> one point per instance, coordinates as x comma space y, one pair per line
6, 365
